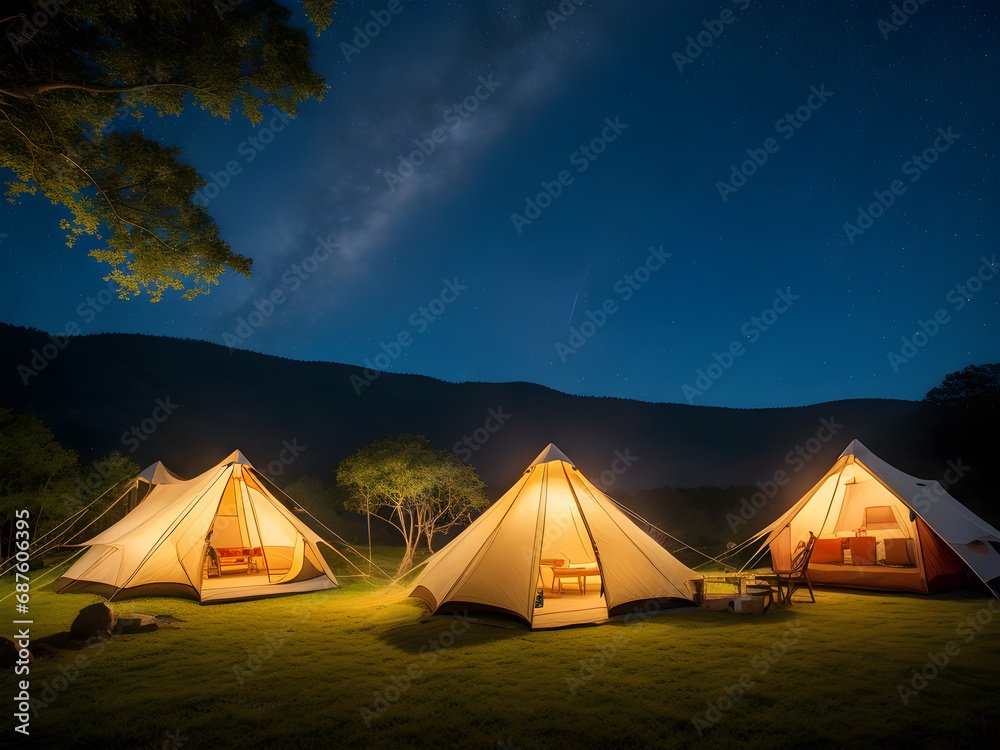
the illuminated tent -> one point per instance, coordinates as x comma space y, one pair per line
879, 528
549, 525
144, 483
217, 537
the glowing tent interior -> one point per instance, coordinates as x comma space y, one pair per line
882, 529
217, 537
554, 551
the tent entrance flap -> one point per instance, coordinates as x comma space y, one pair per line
250, 541
568, 565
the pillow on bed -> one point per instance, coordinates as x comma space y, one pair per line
897, 552
827, 551
862, 550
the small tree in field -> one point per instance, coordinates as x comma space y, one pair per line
459, 493
425, 492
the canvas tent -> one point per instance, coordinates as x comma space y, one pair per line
217, 537
144, 483
158, 473
553, 518
879, 528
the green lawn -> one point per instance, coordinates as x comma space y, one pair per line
311, 670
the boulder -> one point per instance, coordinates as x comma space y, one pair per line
133, 623
9, 651
96, 620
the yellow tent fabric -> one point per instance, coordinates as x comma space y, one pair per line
553, 513
162, 547
143, 484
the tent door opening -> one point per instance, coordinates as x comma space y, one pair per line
249, 543
569, 570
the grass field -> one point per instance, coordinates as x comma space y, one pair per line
364, 666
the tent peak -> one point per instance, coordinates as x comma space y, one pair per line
551, 453
855, 447
157, 473
236, 457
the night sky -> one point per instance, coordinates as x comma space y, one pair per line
636, 255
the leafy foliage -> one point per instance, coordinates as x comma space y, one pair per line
73, 74
40, 475
975, 386
425, 491
319, 13
458, 494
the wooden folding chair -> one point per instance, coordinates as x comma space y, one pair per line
798, 575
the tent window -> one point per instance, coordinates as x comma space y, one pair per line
880, 517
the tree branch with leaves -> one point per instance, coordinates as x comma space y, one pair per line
75, 88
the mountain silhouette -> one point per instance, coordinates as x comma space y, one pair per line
190, 403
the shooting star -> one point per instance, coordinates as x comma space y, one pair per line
573, 310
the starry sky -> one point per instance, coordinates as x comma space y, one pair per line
722, 202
